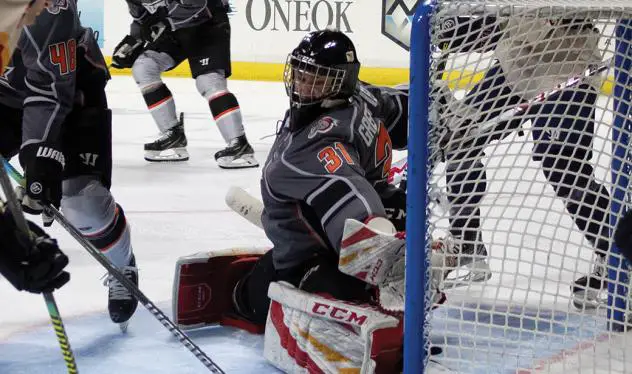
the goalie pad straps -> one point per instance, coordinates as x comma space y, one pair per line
374, 253
307, 333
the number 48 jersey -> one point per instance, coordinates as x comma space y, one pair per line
327, 171
41, 78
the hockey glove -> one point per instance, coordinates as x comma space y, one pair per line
126, 52
153, 33
623, 235
31, 264
43, 167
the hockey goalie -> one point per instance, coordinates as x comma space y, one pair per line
329, 294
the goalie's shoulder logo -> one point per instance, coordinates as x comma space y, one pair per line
323, 126
57, 6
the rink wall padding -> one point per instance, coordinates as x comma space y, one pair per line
272, 72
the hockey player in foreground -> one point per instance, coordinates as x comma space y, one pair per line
31, 264
54, 112
330, 291
163, 35
562, 129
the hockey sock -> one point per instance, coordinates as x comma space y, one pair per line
466, 182
114, 239
227, 115
161, 105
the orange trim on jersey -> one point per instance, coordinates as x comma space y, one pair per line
160, 102
228, 111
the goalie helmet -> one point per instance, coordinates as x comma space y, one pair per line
323, 66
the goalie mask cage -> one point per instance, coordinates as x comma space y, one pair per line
531, 150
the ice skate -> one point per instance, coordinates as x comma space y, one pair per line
471, 264
239, 154
171, 146
586, 291
121, 303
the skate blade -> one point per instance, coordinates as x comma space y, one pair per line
242, 162
475, 272
123, 326
589, 300
169, 155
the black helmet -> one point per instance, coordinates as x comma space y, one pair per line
323, 66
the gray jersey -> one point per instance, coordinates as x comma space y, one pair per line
178, 14
42, 75
328, 171
536, 54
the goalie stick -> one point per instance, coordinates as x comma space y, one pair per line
49, 299
138, 294
250, 208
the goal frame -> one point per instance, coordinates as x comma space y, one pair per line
417, 302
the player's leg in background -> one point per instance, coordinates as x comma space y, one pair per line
208, 49
147, 70
465, 173
563, 132
88, 203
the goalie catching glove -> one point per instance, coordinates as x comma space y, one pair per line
375, 253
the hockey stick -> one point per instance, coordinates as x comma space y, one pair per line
488, 127
138, 294
250, 208
244, 204
51, 305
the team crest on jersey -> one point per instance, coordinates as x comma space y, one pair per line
57, 6
324, 125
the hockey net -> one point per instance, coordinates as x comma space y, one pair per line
522, 160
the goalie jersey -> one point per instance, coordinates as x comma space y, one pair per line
330, 169
42, 77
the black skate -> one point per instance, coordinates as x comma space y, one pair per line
587, 289
171, 146
239, 154
121, 303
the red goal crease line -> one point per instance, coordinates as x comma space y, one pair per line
562, 355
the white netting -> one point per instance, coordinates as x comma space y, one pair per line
523, 127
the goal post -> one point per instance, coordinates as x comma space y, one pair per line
531, 161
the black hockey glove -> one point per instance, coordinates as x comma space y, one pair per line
126, 52
153, 33
43, 167
31, 264
623, 235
